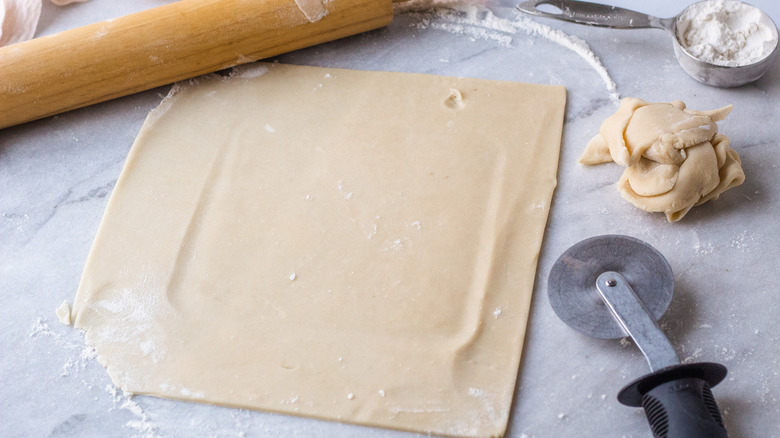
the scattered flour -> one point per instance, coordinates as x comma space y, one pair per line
743, 241
75, 365
291, 401
396, 244
693, 357
346, 194
458, 17
142, 424
41, 328
147, 347
703, 248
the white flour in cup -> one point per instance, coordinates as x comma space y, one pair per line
728, 33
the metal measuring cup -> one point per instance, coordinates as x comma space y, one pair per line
613, 17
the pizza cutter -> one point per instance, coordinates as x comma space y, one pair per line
614, 286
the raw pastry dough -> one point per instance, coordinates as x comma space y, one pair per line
19, 19
354, 246
674, 157
67, 2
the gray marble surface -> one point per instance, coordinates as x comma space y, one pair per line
56, 175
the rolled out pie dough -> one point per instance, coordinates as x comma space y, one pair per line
353, 246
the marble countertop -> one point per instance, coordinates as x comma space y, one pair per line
56, 175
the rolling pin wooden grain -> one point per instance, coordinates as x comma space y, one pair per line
113, 58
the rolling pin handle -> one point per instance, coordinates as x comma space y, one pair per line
172, 42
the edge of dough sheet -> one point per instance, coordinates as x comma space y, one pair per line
466, 247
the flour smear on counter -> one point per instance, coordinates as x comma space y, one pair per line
477, 22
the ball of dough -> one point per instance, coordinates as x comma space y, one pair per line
674, 157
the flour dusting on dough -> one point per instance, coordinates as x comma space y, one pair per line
346, 194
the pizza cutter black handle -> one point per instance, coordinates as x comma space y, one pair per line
678, 401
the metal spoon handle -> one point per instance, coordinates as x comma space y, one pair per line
595, 14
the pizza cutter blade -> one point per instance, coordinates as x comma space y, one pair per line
615, 286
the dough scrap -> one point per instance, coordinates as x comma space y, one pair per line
67, 2
343, 245
675, 158
19, 19
63, 313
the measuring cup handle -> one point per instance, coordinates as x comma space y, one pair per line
678, 401
592, 14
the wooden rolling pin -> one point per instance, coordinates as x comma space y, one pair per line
102, 61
